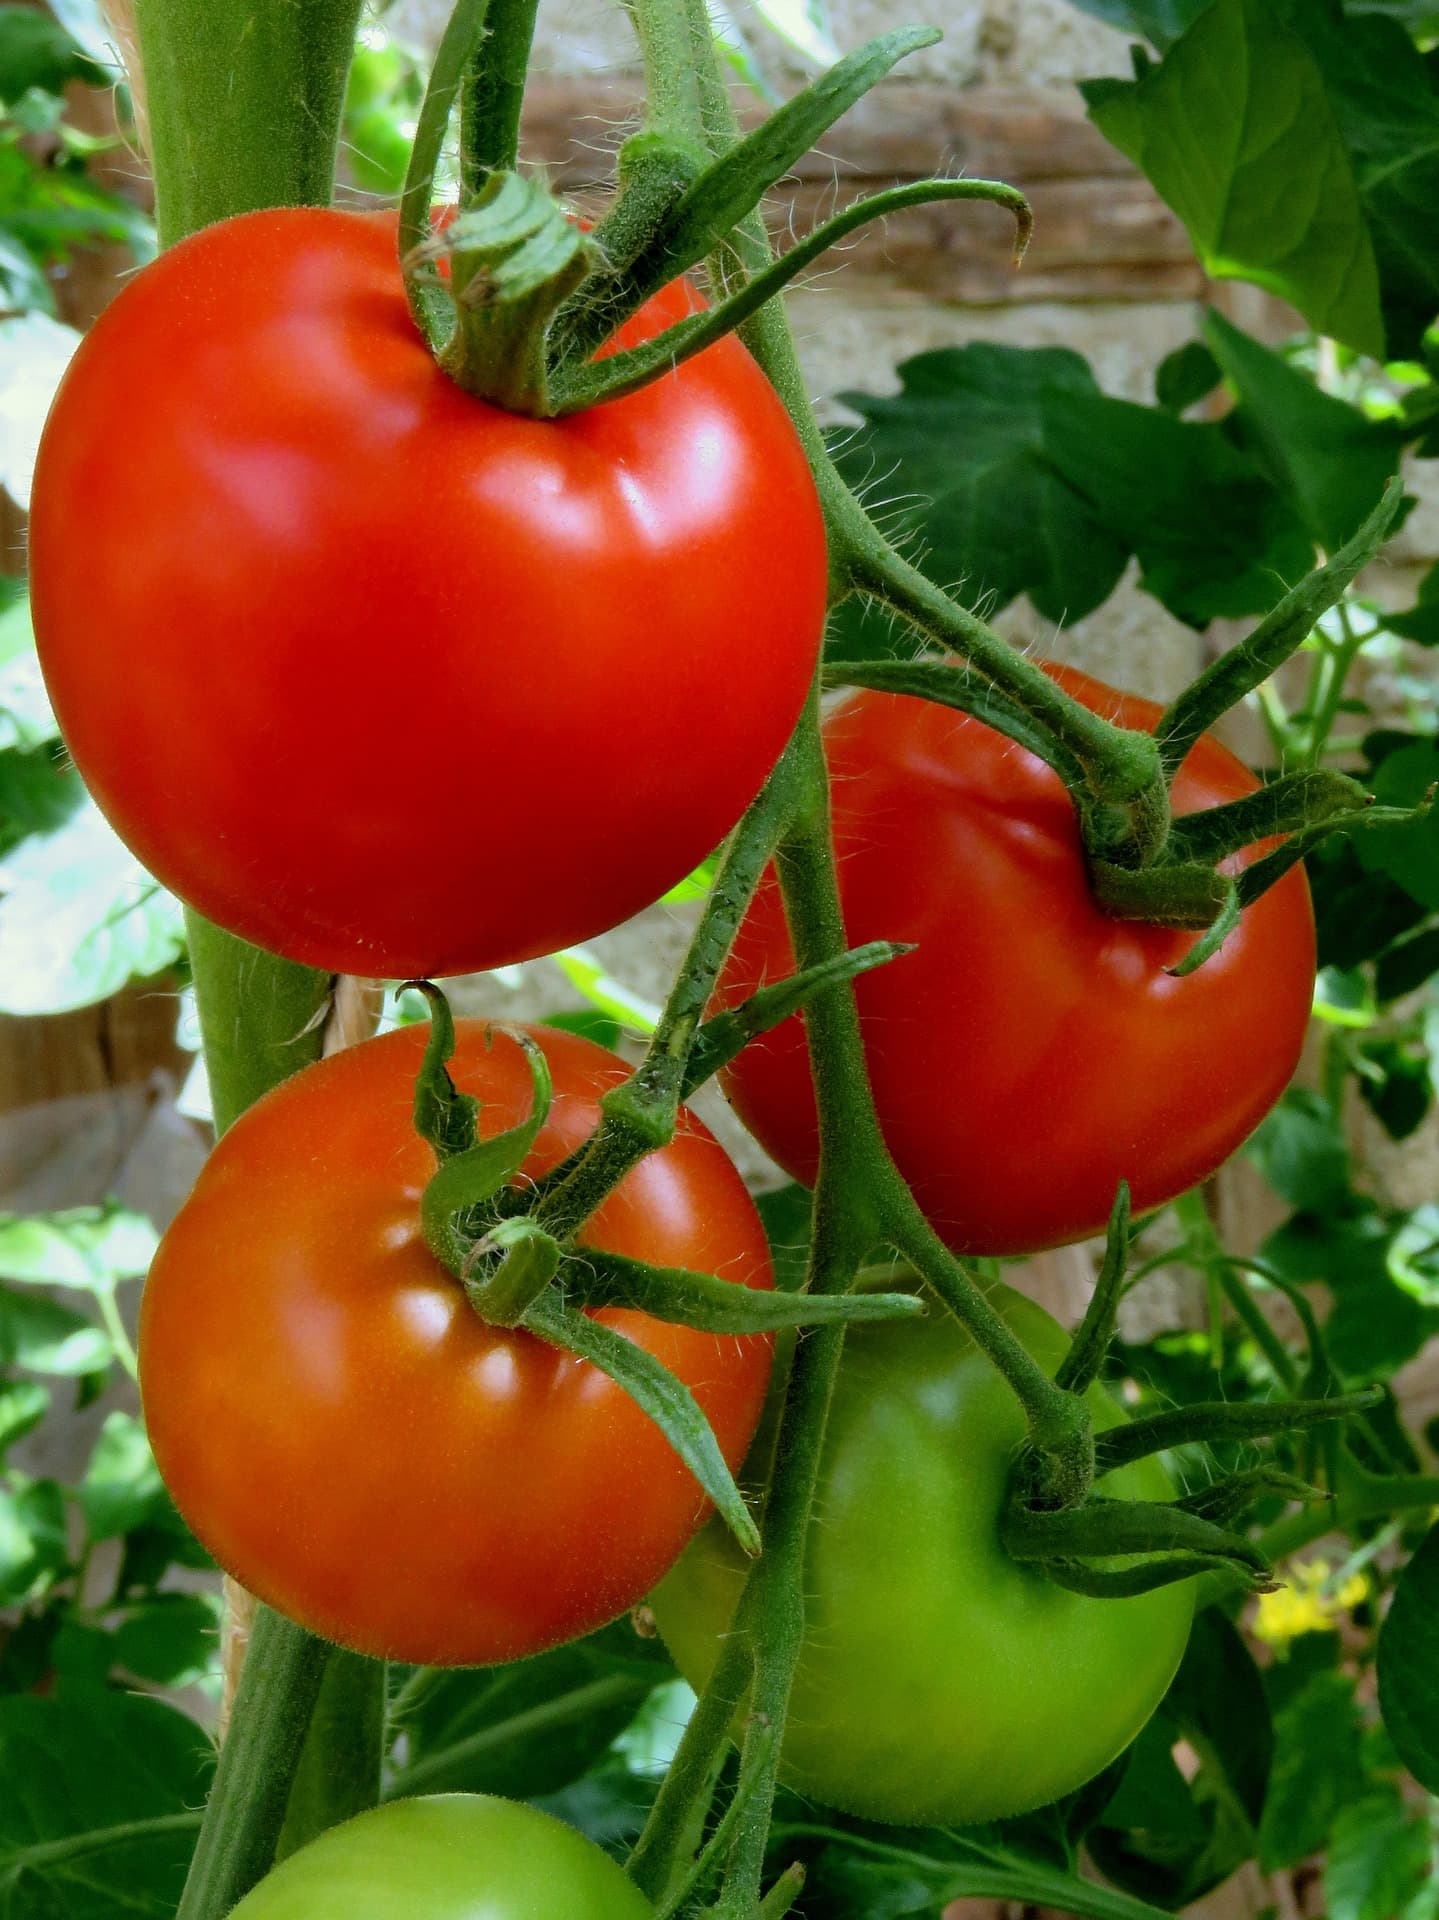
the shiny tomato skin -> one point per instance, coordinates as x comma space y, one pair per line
447, 1856
941, 1683
1032, 1052
375, 674
353, 1443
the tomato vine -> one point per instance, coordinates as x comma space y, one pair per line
515, 299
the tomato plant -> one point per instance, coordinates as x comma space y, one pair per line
353, 1442
451, 1856
941, 1682
1034, 1050
394, 682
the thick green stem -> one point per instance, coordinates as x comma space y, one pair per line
261, 1019
339, 1770
243, 102
284, 1668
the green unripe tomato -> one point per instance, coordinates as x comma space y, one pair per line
941, 1683
451, 1856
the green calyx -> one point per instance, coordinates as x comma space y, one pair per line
518, 1274
1145, 863
1111, 1548
530, 298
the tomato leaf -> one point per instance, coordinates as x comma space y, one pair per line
966, 441
33, 1546
80, 918
884, 1872
1160, 21
98, 1806
122, 1488
45, 1337
528, 1728
1317, 1769
1408, 1665
1016, 474
1379, 1860
1238, 103
1328, 461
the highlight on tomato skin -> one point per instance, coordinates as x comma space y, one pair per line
1033, 1051
395, 683
350, 1439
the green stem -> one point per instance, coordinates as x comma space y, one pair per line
461, 46
261, 1019
284, 1667
1121, 765
339, 1770
243, 100
641, 1115
493, 94
1336, 658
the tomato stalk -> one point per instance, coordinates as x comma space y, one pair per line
243, 100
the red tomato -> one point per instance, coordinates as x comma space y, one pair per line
379, 676
1033, 1051
348, 1437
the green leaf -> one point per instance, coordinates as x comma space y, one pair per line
36, 51
1421, 623
1168, 1838
1161, 22
33, 1547
966, 441
27, 720
122, 1487
22, 1408
1408, 1665
86, 1248
1213, 538
1186, 376
80, 918
1379, 88
1237, 131
1407, 965
45, 1337
883, 1873
99, 1799
1408, 854
1317, 1769
786, 1213
1395, 1083
1379, 1859
1301, 1152
528, 1728
172, 1639
1329, 462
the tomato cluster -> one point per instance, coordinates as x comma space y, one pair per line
391, 681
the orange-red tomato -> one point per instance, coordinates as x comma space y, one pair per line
347, 1436
1033, 1051
376, 674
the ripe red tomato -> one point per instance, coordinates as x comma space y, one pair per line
940, 1682
347, 1436
375, 674
1033, 1051
447, 1856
